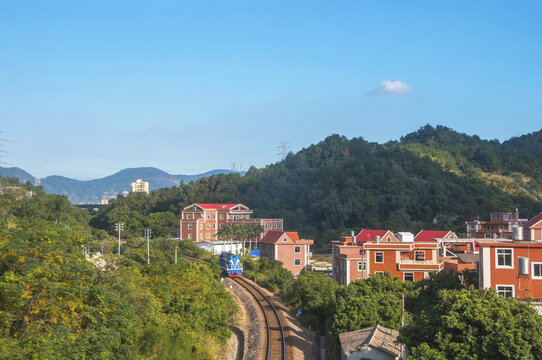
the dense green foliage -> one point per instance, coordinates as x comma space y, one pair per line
268, 273
338, 185
475, 324
54, 303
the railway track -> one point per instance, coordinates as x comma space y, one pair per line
276, 342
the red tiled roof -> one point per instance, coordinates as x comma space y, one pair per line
293, 235
366, 235
272, 236
429, 235
534, 220
216, 206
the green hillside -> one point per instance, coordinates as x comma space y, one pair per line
433, 178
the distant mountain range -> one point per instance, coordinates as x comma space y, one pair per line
91, 191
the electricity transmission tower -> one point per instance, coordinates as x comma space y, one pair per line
284, 148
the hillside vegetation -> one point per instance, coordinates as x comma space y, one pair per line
433, 178
54, 304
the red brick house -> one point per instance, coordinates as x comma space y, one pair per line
513, 268
288, 248
200, 222
532, 229
500, 226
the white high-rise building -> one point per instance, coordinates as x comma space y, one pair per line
140, 186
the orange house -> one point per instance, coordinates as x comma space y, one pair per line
379, 251
513, 268
288, 248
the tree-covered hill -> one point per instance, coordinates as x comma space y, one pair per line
340, 185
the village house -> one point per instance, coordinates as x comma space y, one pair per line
380, 251
532, 230
378, 343
200, 222
288, 248
500, 226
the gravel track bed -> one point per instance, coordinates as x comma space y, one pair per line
254, 327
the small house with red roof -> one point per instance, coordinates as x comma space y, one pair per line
532, 229
288, 248
201, 221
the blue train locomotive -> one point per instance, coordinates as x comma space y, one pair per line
230, 264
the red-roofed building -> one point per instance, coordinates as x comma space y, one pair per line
379, 251
288, 248
532, 230
431, 235
367, 235
200, 222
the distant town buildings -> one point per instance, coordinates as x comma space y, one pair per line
200, 222
500, 226
140, 186
288, 248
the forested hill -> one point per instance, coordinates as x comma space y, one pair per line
433, 178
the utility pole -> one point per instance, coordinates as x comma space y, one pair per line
403, 324
147, 233
176, 247
119, 227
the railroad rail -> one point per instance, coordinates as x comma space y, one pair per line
191, 259
276, 343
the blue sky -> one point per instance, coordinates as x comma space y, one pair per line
89, 88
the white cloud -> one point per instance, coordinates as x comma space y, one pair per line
392, 87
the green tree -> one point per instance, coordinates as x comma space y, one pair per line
477, 324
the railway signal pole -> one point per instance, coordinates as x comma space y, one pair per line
119, 227
147, 233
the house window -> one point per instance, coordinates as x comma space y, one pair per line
472, 226
201, 226
275, 226
506, 291
408, 276
214, 226
188, 216
189, 236
280, 226
284, 239
214, 216
501, 227
221, 216
361, 265
389, 238
471, 235
379, 257
266, 226
297, 262
241, 216
488, 235
207, 236
189, 226
379, 272
201, 236
537, 270
208, 226
221, 226
208, 217
297, 249
504, 258
419, 255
